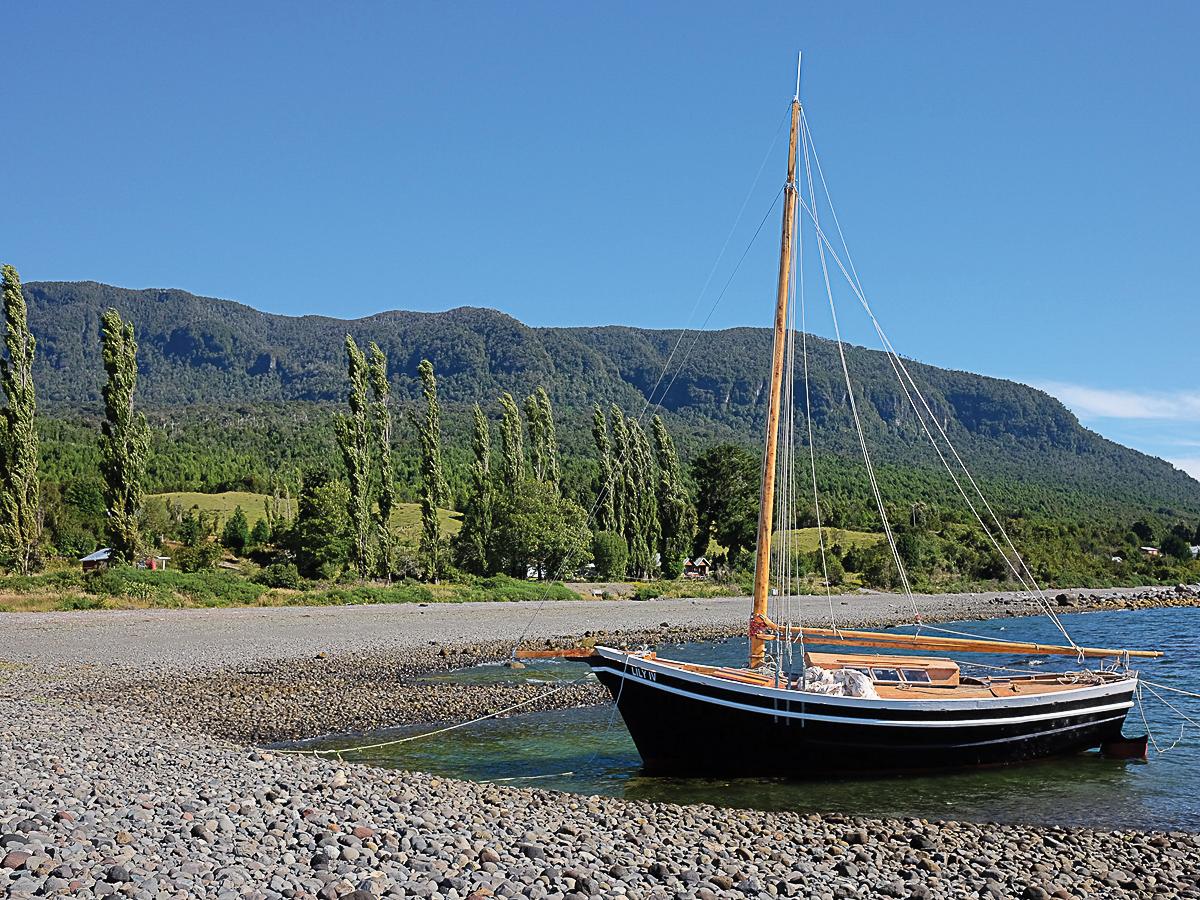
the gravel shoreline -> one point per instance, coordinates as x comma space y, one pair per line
124, 771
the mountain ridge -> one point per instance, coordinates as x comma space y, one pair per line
199, 350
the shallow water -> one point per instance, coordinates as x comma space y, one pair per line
589, 751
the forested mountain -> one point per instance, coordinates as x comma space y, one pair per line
250, 371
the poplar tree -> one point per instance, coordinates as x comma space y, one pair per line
606, 517
20, 499
354, 435
676, 517
125, 437
549, 438
642, 511
385, 498
513, 471
433, 484
537, 441
620, 466
472, 544
543, 440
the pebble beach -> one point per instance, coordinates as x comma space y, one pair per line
134, 762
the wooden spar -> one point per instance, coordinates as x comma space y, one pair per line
953, 644
563, 653
762, 567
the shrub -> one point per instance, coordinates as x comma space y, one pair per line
199, 558
610, 554
280, 575
74, 602
649, 591
236, 534
365, 593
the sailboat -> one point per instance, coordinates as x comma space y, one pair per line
906, 706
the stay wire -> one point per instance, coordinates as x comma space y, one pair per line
856, 286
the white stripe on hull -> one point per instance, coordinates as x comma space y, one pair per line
862, 720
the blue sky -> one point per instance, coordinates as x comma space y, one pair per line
1017, 181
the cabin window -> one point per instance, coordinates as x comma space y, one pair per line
916, 676
885, 674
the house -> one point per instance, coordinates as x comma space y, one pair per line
695, 568
1195, 551
1151, 551
97, 560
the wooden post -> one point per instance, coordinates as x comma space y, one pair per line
766, 513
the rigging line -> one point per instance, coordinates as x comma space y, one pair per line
1167, 687
683, 332
1146, 724
787, 548
887, 528
721, 255
1173, 707
712, 309
856, 282
338, 751
812, 456
953, 477
894, 358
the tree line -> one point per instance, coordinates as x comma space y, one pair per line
625, 502
124, 437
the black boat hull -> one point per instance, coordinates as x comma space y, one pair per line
687, 725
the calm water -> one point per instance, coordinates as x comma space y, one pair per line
589, 751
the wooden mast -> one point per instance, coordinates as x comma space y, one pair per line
762, 566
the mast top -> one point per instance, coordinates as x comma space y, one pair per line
799, 58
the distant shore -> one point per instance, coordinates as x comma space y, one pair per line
124, 734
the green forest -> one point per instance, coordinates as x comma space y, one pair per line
518, 454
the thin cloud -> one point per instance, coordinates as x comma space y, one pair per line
1099, 403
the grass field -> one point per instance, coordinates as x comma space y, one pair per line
805, 540
221, 504
406, 520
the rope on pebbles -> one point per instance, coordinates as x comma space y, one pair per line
339, 751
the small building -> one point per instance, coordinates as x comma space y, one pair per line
1151, 551
1195, 551
98, 560
695, 568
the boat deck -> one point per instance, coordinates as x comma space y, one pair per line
968, 689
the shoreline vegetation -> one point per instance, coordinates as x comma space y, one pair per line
136, 772
127, 587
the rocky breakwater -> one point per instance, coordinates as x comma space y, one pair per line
112, 805
1143, 598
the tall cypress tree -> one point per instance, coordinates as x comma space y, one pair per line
642, 514
549, 438
385, 497
20, 498
606, 517
537, 439
125, 438
676, 516
433, 484
354, 437
622, 478
543, 438
472, 544
512, 472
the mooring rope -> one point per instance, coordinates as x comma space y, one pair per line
339, 751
